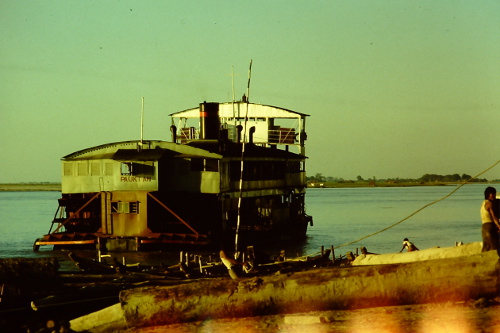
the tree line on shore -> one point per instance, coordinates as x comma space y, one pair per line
427, 178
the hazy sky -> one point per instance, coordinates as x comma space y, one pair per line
394, 88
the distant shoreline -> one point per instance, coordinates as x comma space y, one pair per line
353, 184
33, 187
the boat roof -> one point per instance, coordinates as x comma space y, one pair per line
151, 150
239, 109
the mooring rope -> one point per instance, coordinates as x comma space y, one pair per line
420, 209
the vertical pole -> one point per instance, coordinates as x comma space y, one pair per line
99, 249
238, 221
232, 81
248, 84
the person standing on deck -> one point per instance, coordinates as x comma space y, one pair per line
490, 223
409, 245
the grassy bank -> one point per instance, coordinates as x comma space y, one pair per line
12, 187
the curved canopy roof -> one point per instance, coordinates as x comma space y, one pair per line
152, 150
239, 109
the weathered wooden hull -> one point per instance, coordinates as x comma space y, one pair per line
329, 288
414, 256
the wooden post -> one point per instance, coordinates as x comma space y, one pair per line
99, 249
333, 254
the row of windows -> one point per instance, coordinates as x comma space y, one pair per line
200, 164
253, 170
87, 169
94, 169
262, 170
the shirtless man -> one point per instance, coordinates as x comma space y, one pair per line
490, 223
409, 245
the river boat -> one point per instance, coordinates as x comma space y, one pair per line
232, 170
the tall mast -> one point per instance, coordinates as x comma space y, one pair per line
238, 221
248, 84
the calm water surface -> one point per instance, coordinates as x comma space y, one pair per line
340, 215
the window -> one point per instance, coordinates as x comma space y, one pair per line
108, 169
124, 207
95, 169
83, 169
126, 169
68, 169
212, 165
137, 169
199, 164
196, 164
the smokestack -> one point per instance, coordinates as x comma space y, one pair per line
250, 134
239, 129
209, 121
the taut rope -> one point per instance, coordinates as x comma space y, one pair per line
419, 210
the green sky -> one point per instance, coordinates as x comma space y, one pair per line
394, 88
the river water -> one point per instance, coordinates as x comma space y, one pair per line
341, 215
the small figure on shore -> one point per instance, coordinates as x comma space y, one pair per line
409, 246
489, 220
230, 263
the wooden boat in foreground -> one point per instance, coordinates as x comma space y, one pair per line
348, 287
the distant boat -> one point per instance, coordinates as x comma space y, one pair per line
228, 168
